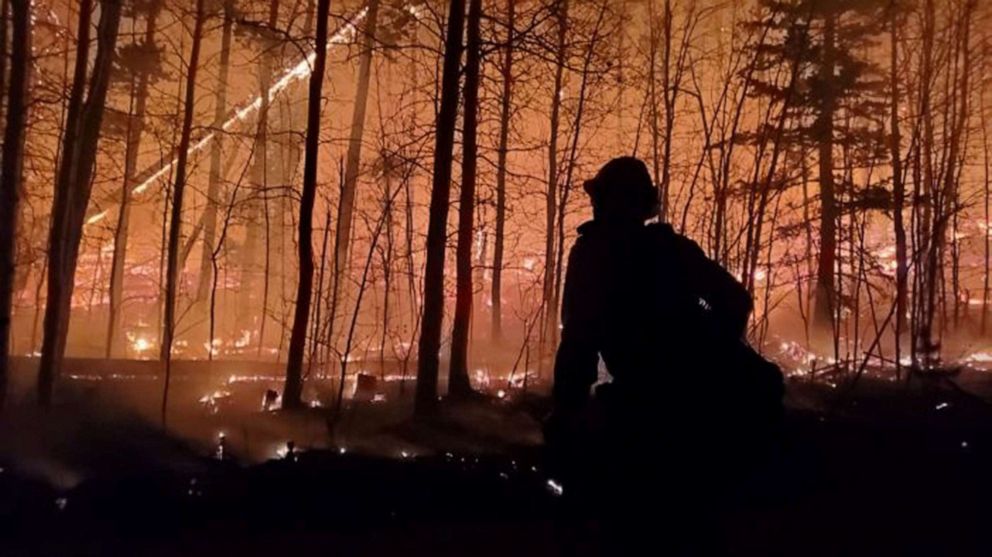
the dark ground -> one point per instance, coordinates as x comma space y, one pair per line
887, 471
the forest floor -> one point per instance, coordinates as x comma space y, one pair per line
885, 469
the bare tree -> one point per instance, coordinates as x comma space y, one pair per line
551, 195
458, 382
74, 184
506, 71
216, 150
898, 185
178, 191
12, 169
140, 79
293, 389
433, 318
342, 242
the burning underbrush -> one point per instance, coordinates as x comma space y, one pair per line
104, 420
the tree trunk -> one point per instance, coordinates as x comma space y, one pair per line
458, 382
433, 318
986, 193
11, 171
669, 92
653, 94
74, 185
262, 156
501, 156
292, 391
551, 199
921, 339
216, 151
178, 191
353, 161
945, 199
898, 188
823, 317
4, 16
135, 127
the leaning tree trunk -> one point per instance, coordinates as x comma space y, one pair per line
425, 402
12, 169
135, 127
458, 382
504, 137
74, 185
175, 218
353, 160
291, 395
823, 316
216, 151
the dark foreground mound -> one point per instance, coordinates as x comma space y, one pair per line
878, 476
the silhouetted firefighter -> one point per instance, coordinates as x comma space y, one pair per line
689, 402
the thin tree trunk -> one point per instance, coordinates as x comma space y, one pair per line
175, 219
4, 17
551, 198
504, 136
293, 389
429, 345
669, 92
315, 326
823, 316
458, 382
922, 338
944, 205
265, 79
135, 127
353, 161
986, 191
11, 171
653, 93
74, 185
898, 188
216, 151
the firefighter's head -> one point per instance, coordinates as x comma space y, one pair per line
622, 192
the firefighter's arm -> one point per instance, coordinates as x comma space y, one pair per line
726, 297
577, 360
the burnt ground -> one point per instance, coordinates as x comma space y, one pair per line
886, 470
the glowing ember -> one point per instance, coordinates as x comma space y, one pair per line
213, 401
480, 379
221, 451
979, 357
